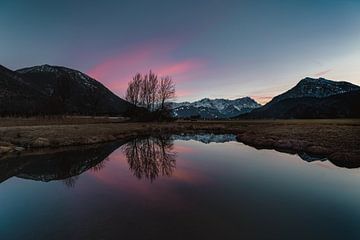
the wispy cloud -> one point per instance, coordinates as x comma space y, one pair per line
322, 73
116, 71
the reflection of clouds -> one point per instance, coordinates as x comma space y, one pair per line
188, 176
183, 149
170, 162
119, 175
116, 177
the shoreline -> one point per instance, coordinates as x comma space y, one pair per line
336, 139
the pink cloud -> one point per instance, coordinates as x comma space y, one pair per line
320, 74
181, 67
116, 71
106, 68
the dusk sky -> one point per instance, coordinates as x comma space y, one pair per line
215, 49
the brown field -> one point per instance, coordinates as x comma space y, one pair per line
337, 139
66, 120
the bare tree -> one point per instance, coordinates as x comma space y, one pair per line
166, 91
147, 91
133, 90
153, 90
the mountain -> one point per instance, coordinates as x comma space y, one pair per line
56, 90
214, 108
313, 98
319, 88
16, 95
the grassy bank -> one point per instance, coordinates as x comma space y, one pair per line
338, 140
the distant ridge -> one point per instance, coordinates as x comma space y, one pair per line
316, 87
313, 98
214, 108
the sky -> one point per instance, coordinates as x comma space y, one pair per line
215, 49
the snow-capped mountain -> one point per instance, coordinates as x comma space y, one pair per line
49, 89
59, 72
72, 91
214, 108
316, 87
313, 98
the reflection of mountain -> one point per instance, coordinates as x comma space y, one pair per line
64, 165
150, 157
147, 157
343, 163
311, 158
207, 137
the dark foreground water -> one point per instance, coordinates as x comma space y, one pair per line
184, 187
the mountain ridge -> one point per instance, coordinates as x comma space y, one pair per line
214, 108
316, 87
313, 98
46, 89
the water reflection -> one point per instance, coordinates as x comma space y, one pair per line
217, 191
150, 157
65, 164
311, 158
206, 137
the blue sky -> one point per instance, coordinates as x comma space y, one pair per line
211, 48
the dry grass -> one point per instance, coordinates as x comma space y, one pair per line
336, 138
62, 120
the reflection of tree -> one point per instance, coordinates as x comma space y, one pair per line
70, 182
150, 157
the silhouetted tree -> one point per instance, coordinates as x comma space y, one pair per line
134, 89
166, 91
148, 92
152, 90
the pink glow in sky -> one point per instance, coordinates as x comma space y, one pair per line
115, 72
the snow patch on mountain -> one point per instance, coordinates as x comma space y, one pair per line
214, 108
206, 138
316, 87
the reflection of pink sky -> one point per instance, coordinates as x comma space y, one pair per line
115, 72
117, 175
183, 149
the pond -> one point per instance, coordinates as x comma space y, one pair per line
177, 187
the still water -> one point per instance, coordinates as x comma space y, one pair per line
177, 187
